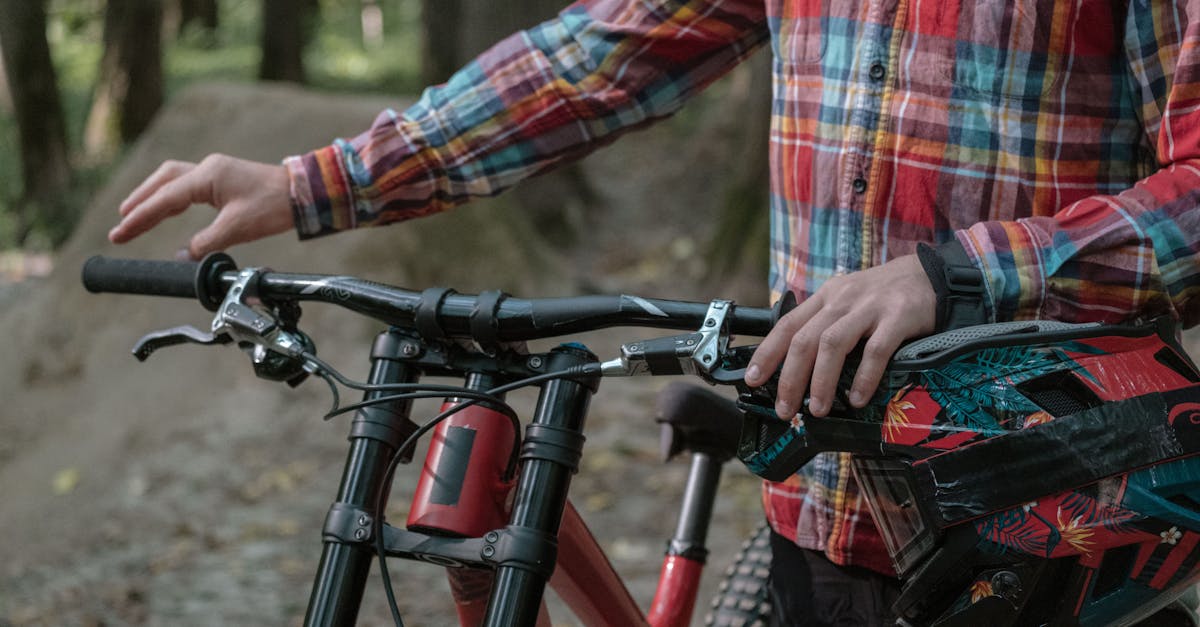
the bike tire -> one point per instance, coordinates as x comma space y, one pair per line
743, 598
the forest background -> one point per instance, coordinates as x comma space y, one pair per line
81, 80
185, 491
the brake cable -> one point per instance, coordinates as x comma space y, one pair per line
385, 486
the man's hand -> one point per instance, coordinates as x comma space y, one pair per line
252, 200
884, 305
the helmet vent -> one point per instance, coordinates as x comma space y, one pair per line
1173, 361
1059, 394
1114, 570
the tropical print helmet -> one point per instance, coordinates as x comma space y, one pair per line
1032, 473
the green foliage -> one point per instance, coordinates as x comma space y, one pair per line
337, 59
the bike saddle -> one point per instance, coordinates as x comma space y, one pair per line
695, 418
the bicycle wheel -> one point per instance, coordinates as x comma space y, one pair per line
743, 598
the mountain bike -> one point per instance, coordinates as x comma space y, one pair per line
1019, 473
491, 501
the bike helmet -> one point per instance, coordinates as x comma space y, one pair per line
1030, 473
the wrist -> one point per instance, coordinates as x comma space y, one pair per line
305, 214
957, 283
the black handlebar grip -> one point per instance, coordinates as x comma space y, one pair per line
140, 276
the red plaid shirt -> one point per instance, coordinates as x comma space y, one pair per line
1059, 141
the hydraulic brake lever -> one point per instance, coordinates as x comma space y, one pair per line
691, 353
186, 334
267, 333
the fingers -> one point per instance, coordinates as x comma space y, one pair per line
169, 191
836, 341
879, 308
252, 199
798, 365
216, 236
771, 352
168, 171
876, 354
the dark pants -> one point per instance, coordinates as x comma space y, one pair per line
808, 590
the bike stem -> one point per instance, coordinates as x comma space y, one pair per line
375, 434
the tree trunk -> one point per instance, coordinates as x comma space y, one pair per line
129, 89
742, 234
6, 103
46, 170
201, 13
441, 54
486, 22
285, 32
455, 31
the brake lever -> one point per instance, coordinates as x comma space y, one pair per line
275, 351
696, 353
186, 334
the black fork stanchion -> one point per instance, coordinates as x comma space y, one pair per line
375, 434
525, 551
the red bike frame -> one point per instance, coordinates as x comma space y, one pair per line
584, 578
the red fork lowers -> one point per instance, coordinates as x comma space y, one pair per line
463, 492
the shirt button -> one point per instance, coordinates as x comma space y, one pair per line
860, 185
877, 72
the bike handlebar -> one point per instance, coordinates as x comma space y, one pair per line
490, 316
140, 276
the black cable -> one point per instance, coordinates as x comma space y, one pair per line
497, 402
386, 485
330, 374
418, 390
501, 406
379, 387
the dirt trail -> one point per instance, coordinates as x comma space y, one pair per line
183, 491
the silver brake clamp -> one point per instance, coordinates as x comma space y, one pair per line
697, 353
239, 319
714, 336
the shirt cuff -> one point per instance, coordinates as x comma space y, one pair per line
312, 177
993, 278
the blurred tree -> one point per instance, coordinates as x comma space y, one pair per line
371, 20
455, 31
6, 103
742, 119
32, 82
440, 50
129, 86
286, 30
485, 22
204, 14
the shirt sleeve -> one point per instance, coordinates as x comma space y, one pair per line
1114, 257
538, 98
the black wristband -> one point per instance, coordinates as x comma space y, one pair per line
957, 283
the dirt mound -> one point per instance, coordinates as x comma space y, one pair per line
184, 491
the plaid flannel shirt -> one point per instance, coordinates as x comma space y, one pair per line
1058, 140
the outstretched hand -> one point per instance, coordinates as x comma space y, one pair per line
884, 306
252, 201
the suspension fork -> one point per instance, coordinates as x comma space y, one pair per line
464, 486
375, 434
550, 455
